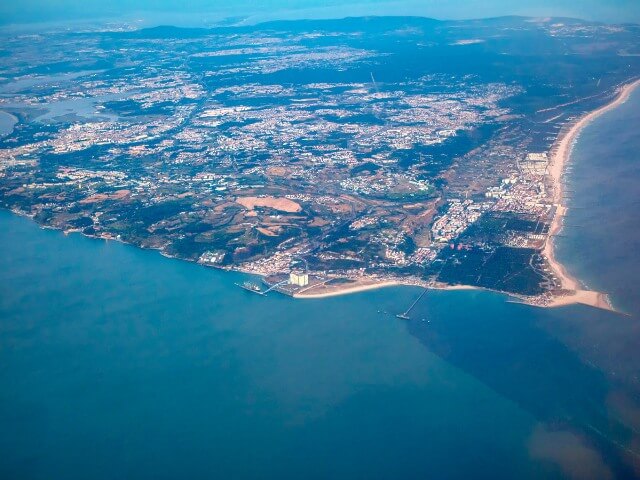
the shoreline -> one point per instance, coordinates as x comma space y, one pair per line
560, 157
573, 291
586, 297
348, 290
594, 299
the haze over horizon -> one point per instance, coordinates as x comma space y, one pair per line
202, 12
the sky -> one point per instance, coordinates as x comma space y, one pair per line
203, 12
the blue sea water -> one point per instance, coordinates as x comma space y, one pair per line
602, 233
119, 363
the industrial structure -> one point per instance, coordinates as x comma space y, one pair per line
299, 278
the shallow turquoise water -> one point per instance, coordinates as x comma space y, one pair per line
119, 363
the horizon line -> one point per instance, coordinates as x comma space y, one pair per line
217, 24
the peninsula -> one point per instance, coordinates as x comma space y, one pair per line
561, 155
326, 156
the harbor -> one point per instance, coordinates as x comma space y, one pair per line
299, 282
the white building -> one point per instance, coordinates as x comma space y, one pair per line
299, 278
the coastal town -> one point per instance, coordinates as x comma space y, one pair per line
318, 153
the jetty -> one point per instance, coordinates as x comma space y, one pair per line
275, 285
405, 315
251, 287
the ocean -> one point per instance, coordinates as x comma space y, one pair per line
116, 362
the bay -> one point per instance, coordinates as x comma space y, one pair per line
116, 362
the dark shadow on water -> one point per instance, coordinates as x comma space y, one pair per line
510, 349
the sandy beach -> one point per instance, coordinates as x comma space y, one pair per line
573, 292
325, 291
585, 297
560, 156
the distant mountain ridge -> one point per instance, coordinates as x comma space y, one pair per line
373, 24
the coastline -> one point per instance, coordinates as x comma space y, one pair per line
348, 290
560, 156
595, 299
584, 297
572, 290
375, 285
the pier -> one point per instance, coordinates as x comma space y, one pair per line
275, 285
250, 287
405, 315
253, 288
